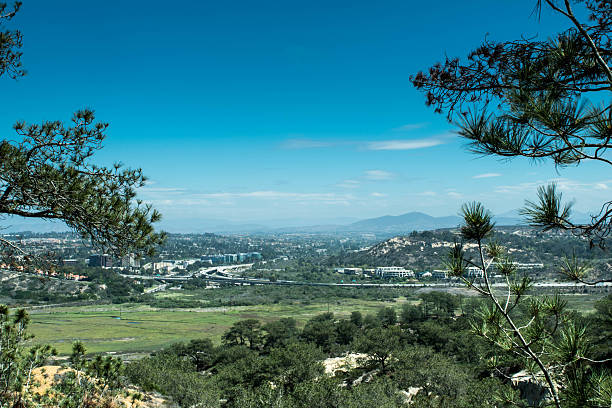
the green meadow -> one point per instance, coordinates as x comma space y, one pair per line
144, 329
137, 328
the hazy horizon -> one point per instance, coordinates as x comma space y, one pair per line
16, 224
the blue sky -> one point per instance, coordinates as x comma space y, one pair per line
286, 110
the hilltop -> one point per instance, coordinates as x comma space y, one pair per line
426, 250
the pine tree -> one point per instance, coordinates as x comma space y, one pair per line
546, 100
46, 172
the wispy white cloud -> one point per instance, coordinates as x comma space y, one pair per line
454, 194
520, 188
175, 198
378, 195
403, 144
486, 175
410, 126
394, 144
148, 189
563, 184
349, 184
376, 175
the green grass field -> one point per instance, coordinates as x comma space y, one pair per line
144, 329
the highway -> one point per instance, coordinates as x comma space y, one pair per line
224, 274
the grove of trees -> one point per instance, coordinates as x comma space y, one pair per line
545, 100
429, 357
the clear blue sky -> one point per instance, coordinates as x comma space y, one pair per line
260, 110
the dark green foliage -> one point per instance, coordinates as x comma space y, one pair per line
451, 383
387, 316
549, 212
323, 393
201, 353
601, 327
280, 332
434, 334
346, 331
327, 393
371, 321
229, 354
258, 295
244, 332
321, 330
116, 285
434, 355
357, 319
439, 304
411, 314
10, 44
16, 360
294, 364
175, 377
47, 175
379, 343
478, 222
241, 370
434, 373
265, 396
552, 342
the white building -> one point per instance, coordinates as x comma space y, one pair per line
394, 272
520, 265
474, 272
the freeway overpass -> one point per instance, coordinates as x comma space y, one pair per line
222, 274
214, 276
201, 273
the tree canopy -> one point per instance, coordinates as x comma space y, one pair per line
10, 43
553, 341
540, 99
47, 172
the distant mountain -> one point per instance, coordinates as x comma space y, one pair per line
418, 221
509, 218
388, 224
412, 221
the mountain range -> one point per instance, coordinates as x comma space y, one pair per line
418, 221
388, 224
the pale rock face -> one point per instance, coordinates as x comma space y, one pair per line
44, 377
408, 395
390, 245
334, 364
